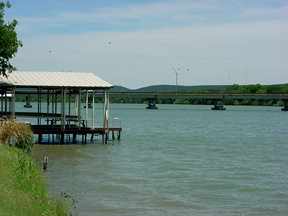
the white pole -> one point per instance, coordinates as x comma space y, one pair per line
79, 107
13, 102
87, 107
76, 104
105, 107
93, 111
108, 108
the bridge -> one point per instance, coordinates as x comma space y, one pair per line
218, 99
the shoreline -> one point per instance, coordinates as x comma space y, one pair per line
25, 186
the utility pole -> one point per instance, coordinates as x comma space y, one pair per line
176, 79
177, 73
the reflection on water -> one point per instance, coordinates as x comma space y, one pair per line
179, 160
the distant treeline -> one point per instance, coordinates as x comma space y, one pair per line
257, 89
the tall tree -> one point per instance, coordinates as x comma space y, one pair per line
9, 42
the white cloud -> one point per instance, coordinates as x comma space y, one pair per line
168, 10
241, 53
143, 10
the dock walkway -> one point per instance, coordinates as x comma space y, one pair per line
70, 134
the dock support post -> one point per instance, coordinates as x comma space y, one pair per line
119, 135
106, 137
113, 135
92, 137
62, 135
63, 116
39, 138
63, 108
74, 138
79, 108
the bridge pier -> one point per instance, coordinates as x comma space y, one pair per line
218, 105
285, 108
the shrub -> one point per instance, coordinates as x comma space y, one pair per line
18, 134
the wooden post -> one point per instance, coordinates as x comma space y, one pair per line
69, 112
63, 95
92, 137
119, 135
113, 135
45, 162
103, 140
38, 106
106, 137
39, 138
63, 116
47, 106
74, 138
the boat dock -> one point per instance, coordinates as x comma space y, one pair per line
65, 106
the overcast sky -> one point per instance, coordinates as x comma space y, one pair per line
137, 43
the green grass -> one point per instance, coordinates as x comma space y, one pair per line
22, 187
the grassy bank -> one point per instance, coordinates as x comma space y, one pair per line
22, 186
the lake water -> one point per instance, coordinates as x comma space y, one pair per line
179, 160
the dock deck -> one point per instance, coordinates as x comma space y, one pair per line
70, 134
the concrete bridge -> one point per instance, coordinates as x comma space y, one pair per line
218, 99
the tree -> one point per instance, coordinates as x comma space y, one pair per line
9, 42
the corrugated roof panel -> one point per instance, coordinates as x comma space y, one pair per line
54, 79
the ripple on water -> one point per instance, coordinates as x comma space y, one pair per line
180, 160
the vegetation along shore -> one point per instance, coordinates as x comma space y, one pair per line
22, 186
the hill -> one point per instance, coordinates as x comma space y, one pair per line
172, 88
119, 89
254, 88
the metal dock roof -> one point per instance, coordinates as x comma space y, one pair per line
54, 79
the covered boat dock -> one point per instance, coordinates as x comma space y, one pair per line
63, 108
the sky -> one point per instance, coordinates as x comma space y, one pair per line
144, 42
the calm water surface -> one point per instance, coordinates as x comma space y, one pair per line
179, 160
